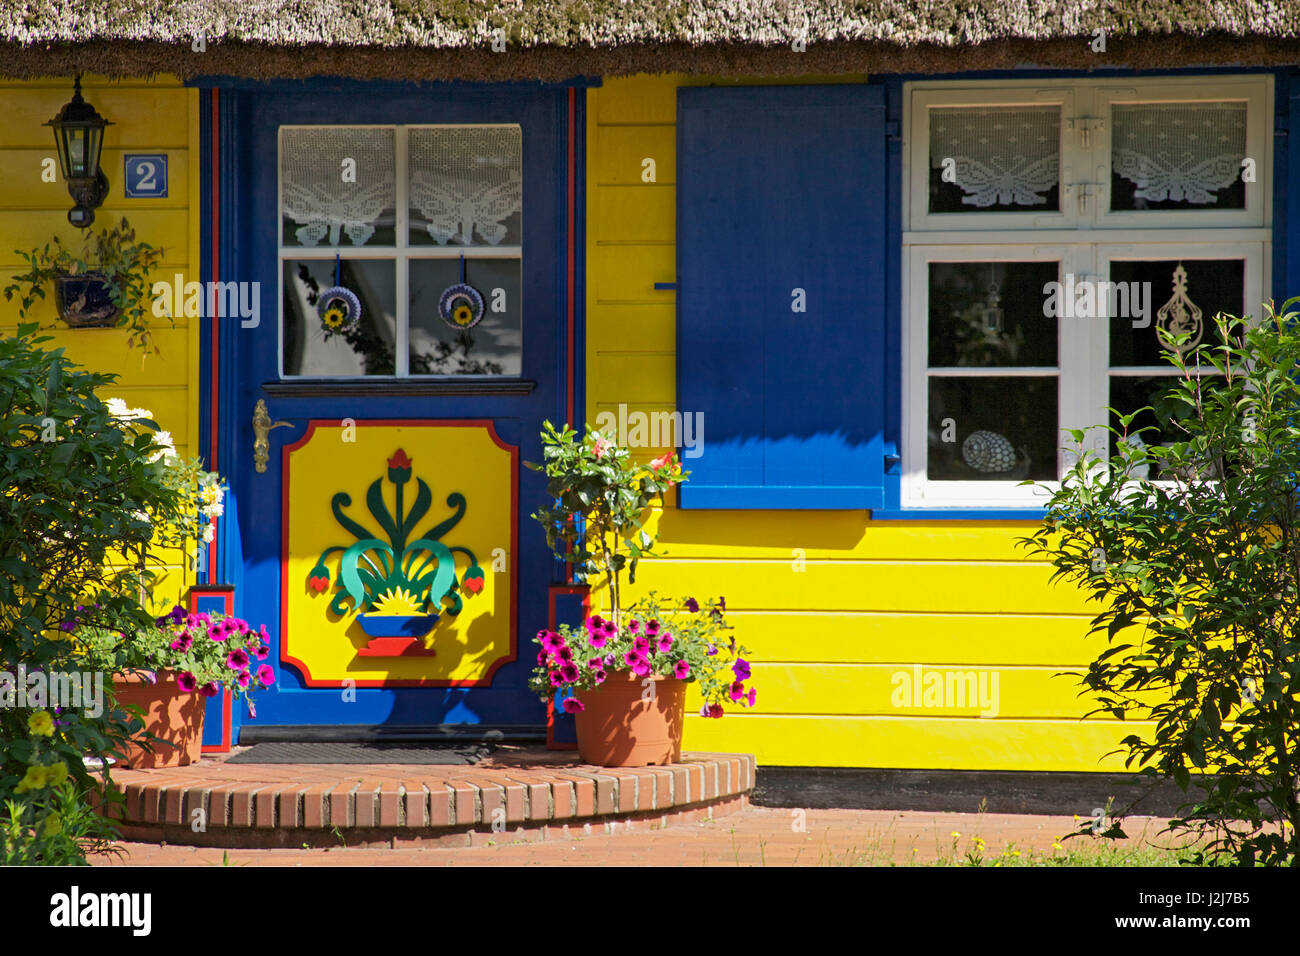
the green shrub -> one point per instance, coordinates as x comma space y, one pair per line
1199, 574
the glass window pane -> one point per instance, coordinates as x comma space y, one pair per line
491, 346
466, 186
1178, 156
1153, 300
368, 347
992, 429
989, 314
337, 186
988, 159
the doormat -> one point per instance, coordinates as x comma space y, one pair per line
353, 752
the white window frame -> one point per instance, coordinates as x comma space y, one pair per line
1083, 241
401, 254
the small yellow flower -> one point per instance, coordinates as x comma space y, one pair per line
1056, 846
33, 779
333, 318
56, 773
1015, 852
53, 825
955, 833
41, 724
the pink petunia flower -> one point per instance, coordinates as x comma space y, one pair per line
593, 623
641, 645
651, 627
266, 675
665, 641
209, 689
737, 691
263, 650
596, 639
541, 657
715, 711
244, 679
569, 671
237, 659
552, 641
556, 679
572, 705
753, 694
564, 654
186, 682
681, 670
632, 658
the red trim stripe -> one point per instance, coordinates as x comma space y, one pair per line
571, 243
214, 392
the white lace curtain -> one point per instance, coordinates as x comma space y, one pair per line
1179, 151
317, 168
1007, 156
467, 183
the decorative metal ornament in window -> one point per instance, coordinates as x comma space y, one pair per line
1003, 156
337, 182
1179, 151
988, 452
1179, 316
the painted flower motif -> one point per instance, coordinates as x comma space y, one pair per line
186, 683
399, 467
266, 675
681, 670
237, 660
40, 724
572, 705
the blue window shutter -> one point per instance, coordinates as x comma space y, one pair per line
782, 188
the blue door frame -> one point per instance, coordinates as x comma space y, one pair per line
248, 118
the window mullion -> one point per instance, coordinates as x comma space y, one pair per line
402, 334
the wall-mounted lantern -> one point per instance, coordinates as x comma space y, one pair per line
79, 137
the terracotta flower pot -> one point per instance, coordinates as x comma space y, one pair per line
619, 727
173, 715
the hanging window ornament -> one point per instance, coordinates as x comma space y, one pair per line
988, 313
339, 308
1179, 316
461, 305
988, 452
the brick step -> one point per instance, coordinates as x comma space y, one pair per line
519, 792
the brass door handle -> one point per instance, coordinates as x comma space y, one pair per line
262, 426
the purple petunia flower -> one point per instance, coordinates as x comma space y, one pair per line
556, 679
651, 627
641, 645
541, 657
244, 679
681, 670
572, 705
267, 676
262, 651
665, 641
634, 626
569, 671
183, 643
704, 711
737, 691
713, 650
741, 669
237, 660
596, 639
610, 660
692, 605
552, 641
608, 629
186, 682
209, 689
564, 654
715, 711
593, 624
595, 664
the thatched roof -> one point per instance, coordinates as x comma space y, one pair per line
554, 39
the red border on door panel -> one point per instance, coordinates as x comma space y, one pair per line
287, 658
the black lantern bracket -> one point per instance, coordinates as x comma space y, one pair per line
79, 138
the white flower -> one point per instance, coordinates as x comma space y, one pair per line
117, 408
209, 532
214, 510
168, 449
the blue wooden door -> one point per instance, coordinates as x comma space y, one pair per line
289, 360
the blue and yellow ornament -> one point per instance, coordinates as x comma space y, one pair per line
339, 308
461, 305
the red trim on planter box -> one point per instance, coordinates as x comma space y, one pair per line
298, 665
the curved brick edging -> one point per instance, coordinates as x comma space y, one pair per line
287, 805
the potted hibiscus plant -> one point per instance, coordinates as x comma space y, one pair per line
624, 675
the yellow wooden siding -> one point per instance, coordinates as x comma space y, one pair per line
158, 116
832, 605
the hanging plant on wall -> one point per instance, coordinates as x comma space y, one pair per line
398, 585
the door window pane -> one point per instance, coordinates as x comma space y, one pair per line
985, 159
492, 345
1178, 156
337, 186
466, 186
367, 347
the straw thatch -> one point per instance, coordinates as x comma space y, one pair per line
453, 39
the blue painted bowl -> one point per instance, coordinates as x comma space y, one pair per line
397, 625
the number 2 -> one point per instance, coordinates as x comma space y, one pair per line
146, 171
